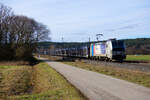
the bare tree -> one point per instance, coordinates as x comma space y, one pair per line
5, 13
41, 32
19, 34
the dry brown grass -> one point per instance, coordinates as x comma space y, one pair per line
52, 85
17, 80
41, 84
13, 63
54, 58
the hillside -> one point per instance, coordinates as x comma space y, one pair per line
138, 46
133, 46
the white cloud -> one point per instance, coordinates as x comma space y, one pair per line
87, 16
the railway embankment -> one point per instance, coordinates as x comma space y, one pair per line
135, 76
132, 65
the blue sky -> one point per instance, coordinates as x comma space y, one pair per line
77, 20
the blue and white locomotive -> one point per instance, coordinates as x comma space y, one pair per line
108, 50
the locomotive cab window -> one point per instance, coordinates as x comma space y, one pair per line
118, 45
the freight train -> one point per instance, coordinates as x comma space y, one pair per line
108, 50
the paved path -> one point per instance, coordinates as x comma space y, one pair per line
97, 86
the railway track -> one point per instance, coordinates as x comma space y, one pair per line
133, 65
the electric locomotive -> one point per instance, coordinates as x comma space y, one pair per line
108, 50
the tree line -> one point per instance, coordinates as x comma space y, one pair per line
138, 46
19, 35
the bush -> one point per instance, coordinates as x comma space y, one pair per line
6, 53
23, 53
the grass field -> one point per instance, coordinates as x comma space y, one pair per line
39, 82
15, 80
138, 57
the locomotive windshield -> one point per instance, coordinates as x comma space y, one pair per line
118, 45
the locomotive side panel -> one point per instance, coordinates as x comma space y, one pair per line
98, 49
